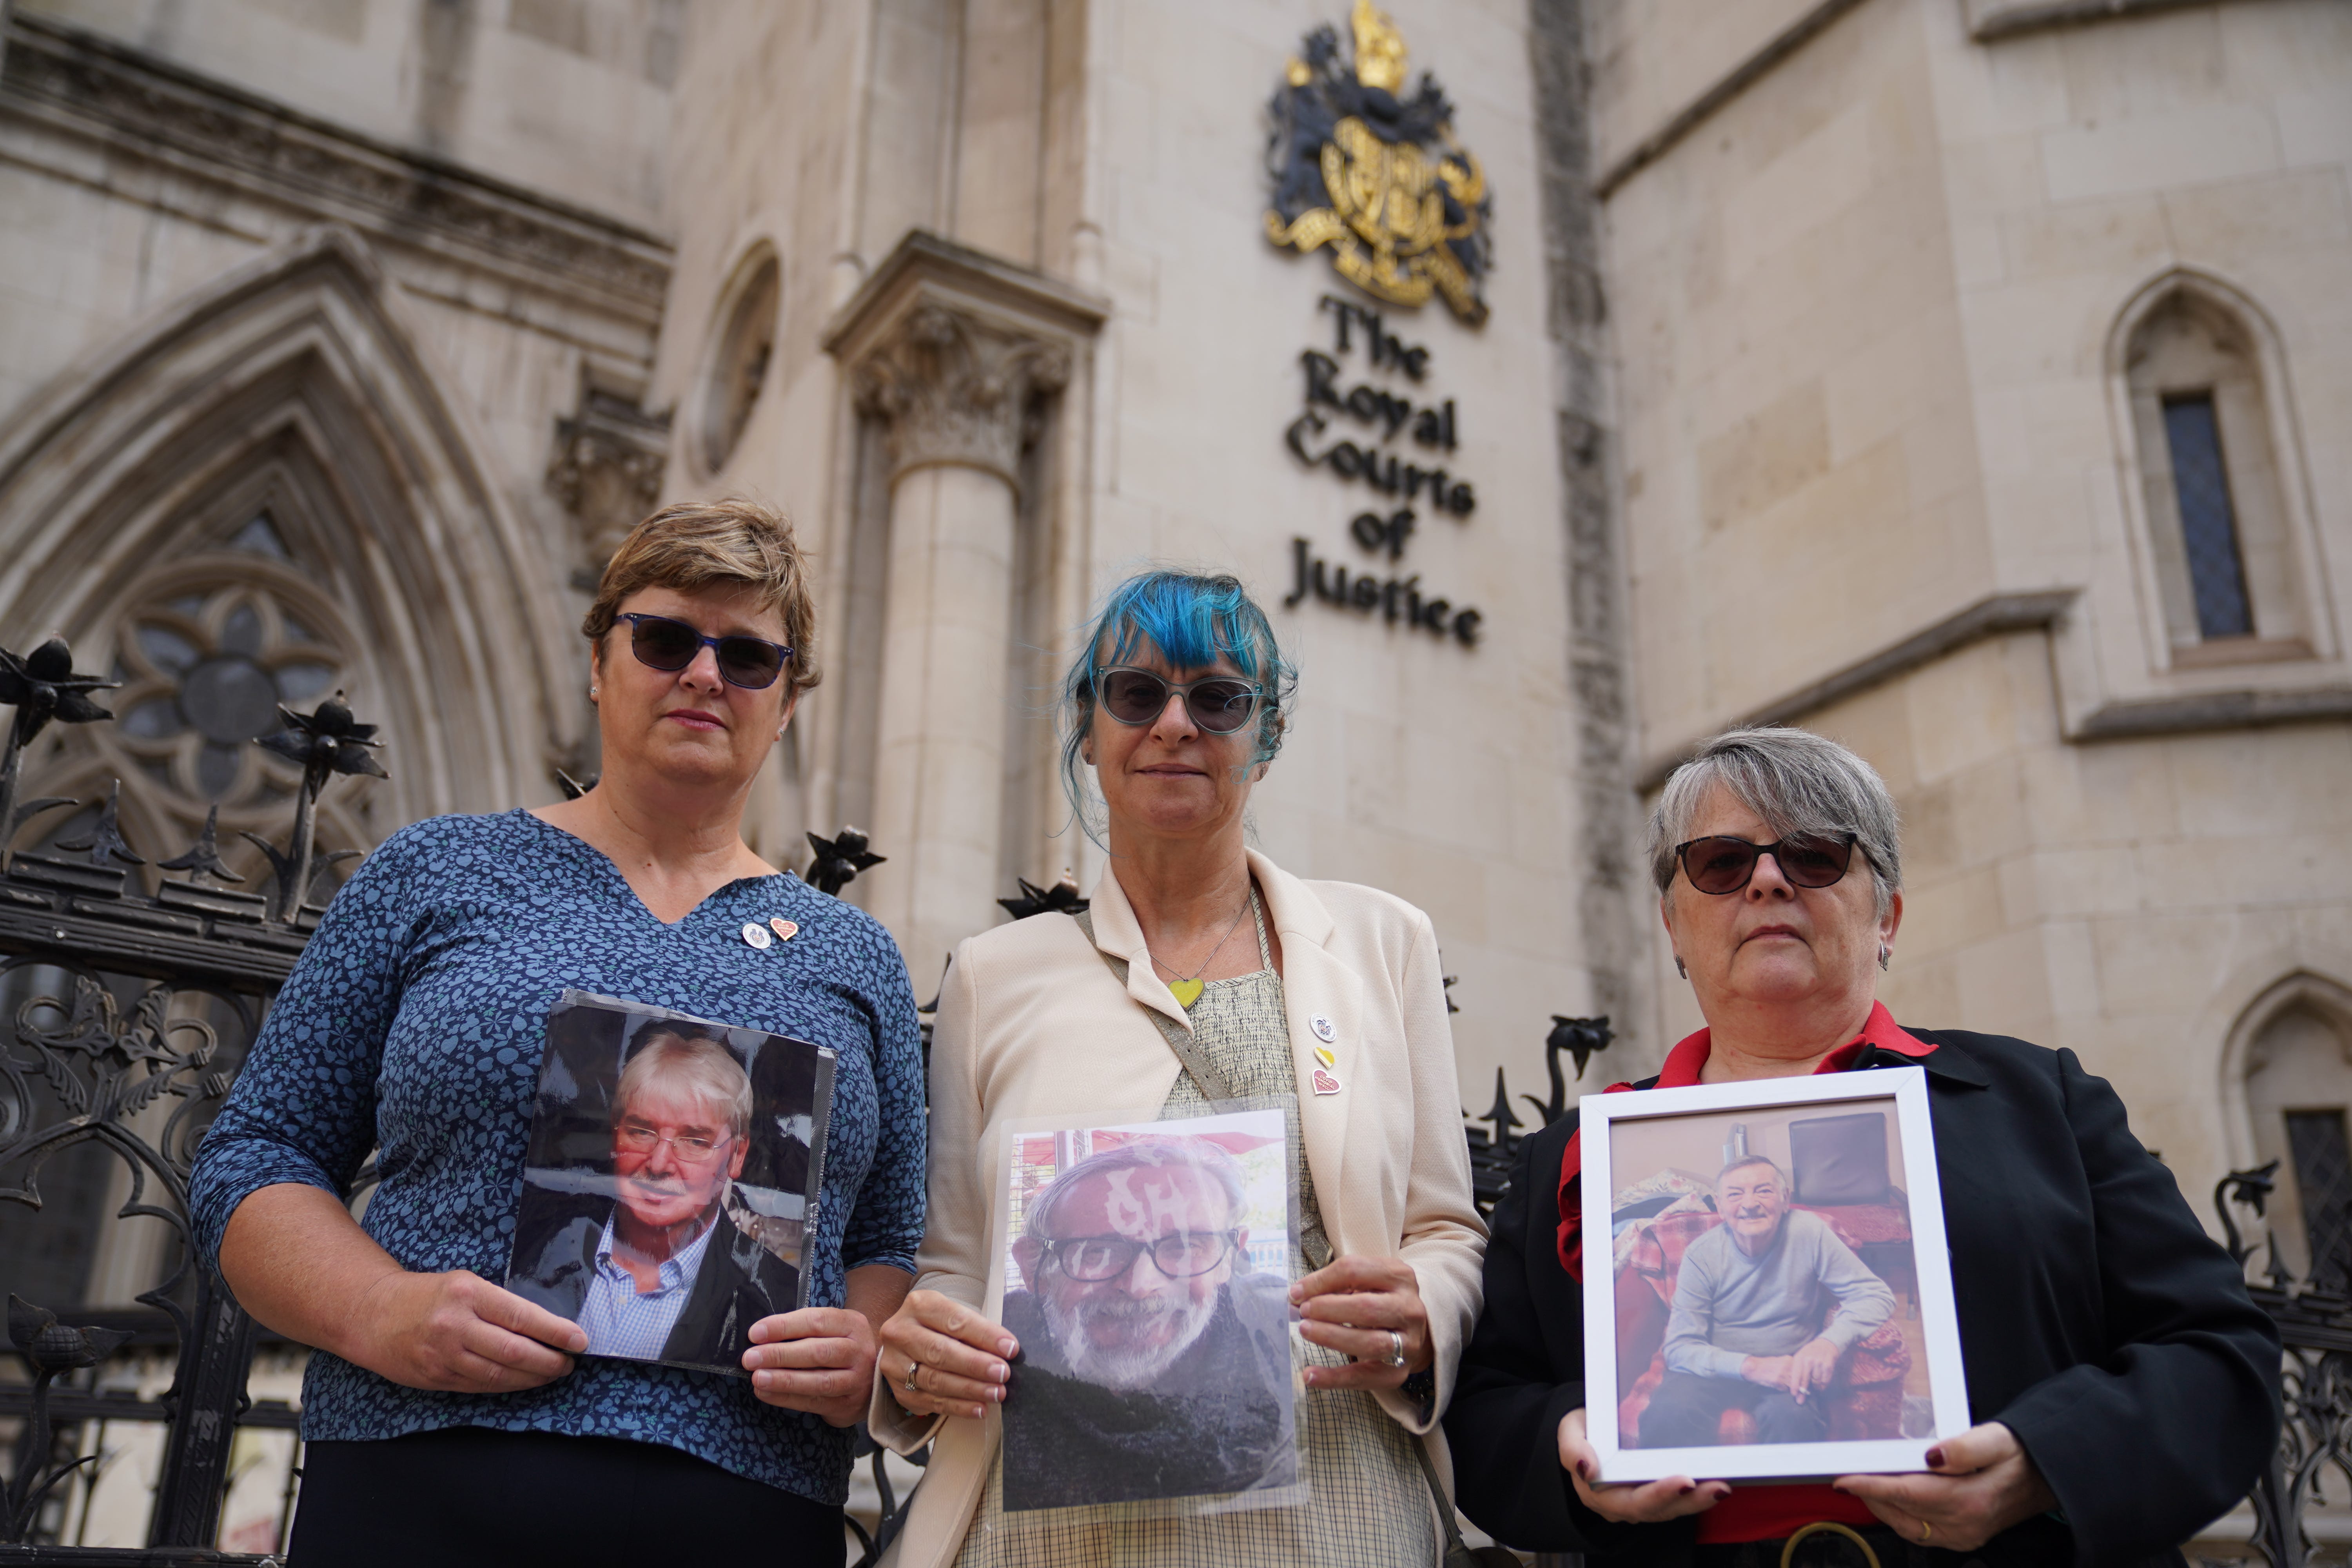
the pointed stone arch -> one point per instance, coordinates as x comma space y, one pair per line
294, 385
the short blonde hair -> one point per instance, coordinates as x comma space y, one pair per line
727, 543
691, 1060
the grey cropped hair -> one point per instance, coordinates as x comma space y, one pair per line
1798, 782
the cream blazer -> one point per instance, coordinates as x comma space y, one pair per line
1032, 1024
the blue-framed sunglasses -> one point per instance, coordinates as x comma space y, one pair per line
664, 644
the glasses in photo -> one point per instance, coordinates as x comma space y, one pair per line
1725, 865
1220, 704
685, 1148
1178, 1254
669, 646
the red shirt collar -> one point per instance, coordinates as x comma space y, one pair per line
1690, 1054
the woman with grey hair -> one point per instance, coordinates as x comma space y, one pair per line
2125, 1386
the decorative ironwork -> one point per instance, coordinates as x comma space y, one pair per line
1062, 897
126, 1015
2315, 1380
839, 859
41, 686
324, 743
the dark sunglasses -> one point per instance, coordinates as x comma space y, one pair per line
663, 644
1220, 704
1725, 865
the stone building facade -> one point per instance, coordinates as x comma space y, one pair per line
1962, 378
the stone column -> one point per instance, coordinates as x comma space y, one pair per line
950, 353
955, 391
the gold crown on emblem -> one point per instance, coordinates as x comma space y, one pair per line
1379, 49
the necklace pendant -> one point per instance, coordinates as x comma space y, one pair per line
1186, 992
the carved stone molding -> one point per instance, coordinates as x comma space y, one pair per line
606, 470
953, 349
955, 389
143, 108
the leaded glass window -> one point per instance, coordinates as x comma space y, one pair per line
203, 671
2209, 523
2322, 1175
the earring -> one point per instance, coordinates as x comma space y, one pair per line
592, 694
1884, 954
1680, 968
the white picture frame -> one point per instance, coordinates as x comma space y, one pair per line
1929, 1330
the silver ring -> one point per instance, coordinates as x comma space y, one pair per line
1396, 1349
914, 1369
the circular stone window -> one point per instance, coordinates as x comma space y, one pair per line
739, 356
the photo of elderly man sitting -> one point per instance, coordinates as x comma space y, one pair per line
1752, 1327
1154, 1364
661, 1273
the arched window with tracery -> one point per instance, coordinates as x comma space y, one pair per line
2214, 449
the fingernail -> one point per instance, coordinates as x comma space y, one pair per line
1297, 1295
1688, 1488
998, 1372
1584, 1468
1005, 1347
996, 1394
1936, 1458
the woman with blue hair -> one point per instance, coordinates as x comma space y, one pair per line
1201, 971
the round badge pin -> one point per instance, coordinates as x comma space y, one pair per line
785, 930
757, 934
1324, 1031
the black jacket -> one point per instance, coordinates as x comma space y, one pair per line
2097, 1321
740, 1282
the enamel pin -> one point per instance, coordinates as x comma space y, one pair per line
1324, 1081
785, 930
757, 934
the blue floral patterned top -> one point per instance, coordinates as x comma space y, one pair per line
414, 1022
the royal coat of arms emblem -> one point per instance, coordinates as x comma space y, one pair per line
1377, 177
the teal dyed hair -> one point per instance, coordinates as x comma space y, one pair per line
1194, 619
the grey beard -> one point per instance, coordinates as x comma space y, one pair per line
1124, 1368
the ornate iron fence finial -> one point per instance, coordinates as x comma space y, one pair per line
40, 686
326, 740
838, 860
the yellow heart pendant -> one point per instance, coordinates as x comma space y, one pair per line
1186, 992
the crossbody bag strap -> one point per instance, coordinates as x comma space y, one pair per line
1211, 1082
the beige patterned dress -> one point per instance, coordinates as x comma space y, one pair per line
1367, 1506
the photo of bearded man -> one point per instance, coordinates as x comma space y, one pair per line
1155, 1364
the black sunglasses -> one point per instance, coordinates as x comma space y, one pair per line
663, 644
1725, 865
1220, 704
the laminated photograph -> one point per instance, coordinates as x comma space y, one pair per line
670, 1180
1146, 1268
1778, 1299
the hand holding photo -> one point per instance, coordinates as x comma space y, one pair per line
1147, 1278
671, 1169
1779, 1300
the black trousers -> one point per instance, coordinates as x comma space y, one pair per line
467, 1496
1686, 1411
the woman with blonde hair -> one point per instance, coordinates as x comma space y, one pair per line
1202, 972
451, 1421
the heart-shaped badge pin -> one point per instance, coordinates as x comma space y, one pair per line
1325, 1083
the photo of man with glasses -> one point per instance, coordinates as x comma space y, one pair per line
1154, 1362
662, 1272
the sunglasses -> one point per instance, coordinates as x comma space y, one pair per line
1220, 704
1181, 1255
663, 644
1725, 865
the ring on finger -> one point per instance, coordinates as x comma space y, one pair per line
1396, 1350
914, 1369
